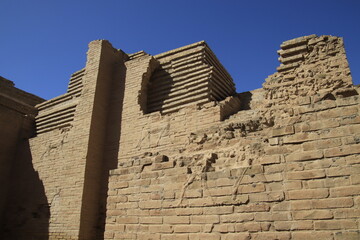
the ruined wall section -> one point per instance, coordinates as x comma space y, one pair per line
310, 66
286, 168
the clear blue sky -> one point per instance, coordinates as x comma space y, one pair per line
43, 42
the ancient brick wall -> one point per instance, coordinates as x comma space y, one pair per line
285, 168
161, 147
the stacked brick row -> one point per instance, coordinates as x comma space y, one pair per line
59, 112
186, 76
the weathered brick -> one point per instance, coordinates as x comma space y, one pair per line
252, 227
347, 213
267, 197
205, 219
283, 131
270, 159
236, 236
308, 193
239, 217
218, 210
345, 191
312, 214
342, 151
175, 237
348, 235
304, 156
335, 225
293, 225
176, 219
150, 220
333, 203
321, 144
277, 216
150, 204
270, 235
187, 228
148, 236
189, 211
310, 174
300, 137
200, 236
321, 124
127, 219
252, 188
337, 112
163, 228
258, 207
343, 171
312, 235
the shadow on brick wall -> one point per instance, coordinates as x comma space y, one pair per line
112, 146
27, 211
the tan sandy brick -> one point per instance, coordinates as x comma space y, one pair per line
252, 227
176, 219
342, 151
189, 211
308, 194
335, 225
343, 171
175, 237
304, 156
218, 210
347, 235
333, 203
200, 236
187, 228
257, 207
205, 219
293, 225
163, 228
236, 236
300, 137
312, 214
270, 159
321, 144
345, 191
347, 213
149, 236
312, 235
283, 131
278, 216
239, 217
310, 174
267, 197
127, 220
150, 220
270, 235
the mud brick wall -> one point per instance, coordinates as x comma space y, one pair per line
162, 147
285, 168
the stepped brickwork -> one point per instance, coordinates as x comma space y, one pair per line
162, 147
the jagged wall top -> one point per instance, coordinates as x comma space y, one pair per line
309, 66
